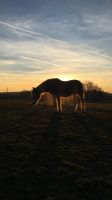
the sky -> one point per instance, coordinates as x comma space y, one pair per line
67, 39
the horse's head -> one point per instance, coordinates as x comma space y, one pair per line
35, 94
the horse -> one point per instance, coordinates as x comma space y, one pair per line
58, 88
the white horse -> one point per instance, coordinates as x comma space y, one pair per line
57, 89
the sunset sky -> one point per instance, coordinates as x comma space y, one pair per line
68, 39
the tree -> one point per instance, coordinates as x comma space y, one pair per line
94, 92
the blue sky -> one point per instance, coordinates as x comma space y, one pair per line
69, 39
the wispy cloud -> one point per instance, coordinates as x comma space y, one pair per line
98, 23
34, 34
41, 61
19, 68
84, 47
19, 29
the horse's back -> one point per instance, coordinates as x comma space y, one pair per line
72, 86
63, 88
56, 81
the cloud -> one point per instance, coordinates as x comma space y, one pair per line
13, 67
75, 38
48, 55
61, 40
17, 30
98, 24
40, 61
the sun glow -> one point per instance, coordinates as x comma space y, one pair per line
65, 77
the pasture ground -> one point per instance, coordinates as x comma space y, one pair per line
50, 156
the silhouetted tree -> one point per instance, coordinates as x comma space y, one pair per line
94, 92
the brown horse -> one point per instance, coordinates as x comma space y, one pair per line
57, 89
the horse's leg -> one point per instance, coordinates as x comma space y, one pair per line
80, 102
75, 105
38, 100
83, 107
55, 103
59, 107
60, 104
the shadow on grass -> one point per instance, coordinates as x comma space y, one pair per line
54, 125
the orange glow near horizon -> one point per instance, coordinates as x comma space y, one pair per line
14, 83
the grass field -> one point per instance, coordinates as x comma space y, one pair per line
45, 155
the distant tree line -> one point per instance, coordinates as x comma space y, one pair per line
16, 95
94, 93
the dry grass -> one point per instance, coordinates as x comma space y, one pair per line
45, 155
